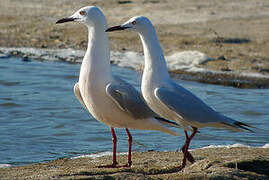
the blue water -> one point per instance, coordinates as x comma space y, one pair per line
41, 119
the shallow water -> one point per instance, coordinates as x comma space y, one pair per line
41, 119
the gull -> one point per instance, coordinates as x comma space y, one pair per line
108, 98
167, 98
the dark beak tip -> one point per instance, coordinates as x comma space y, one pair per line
63, 20
115, 28
111, 29
58, 22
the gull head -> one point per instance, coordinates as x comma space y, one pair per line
89, 16
139, 24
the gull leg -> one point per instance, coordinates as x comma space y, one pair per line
129, 163
190, 158
130, 138
114, 140
188, 154
185, 148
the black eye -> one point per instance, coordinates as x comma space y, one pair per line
134, 22
82, 13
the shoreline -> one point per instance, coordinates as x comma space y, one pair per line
238, 80
220, 162
97, 155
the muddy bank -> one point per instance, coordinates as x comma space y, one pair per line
227, 78
211, 163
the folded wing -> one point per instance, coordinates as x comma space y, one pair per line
193, 110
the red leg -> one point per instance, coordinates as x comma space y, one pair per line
130, 138
188, 154
190, 158
114, 140
185, 148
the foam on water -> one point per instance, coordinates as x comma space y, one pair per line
69, 55
185, 60
128, 59
266, 146
233, 146
225, 146
97, 155
5, 165
108, 153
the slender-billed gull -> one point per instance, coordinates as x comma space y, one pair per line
167, 98
109, 99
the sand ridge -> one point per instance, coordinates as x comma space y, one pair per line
235, 34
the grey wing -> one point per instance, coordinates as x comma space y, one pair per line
78, 95
187, 105
128, 99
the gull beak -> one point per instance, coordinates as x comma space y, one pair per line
116, 28
64, 20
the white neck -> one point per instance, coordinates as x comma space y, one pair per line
96, 62
155, 64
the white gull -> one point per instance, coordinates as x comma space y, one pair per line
167, 98
109, 99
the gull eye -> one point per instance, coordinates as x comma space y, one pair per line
82, 13
134, 23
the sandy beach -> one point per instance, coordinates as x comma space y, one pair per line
211, 163
234, 33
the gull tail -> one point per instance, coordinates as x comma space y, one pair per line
237, 125
163, 125
251, 128
167, 122
243, 126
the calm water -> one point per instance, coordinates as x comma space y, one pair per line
41, 119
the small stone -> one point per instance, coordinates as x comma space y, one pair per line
26, 59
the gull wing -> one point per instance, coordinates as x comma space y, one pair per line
194, 110
187, 105
78, 95
128, 99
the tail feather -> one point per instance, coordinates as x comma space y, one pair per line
243, 126
235, 125
167, 122
255, 129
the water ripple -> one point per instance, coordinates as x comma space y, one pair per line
253, 113
9, 104
7, 83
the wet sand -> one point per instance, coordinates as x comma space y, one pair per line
213, 163
234, 34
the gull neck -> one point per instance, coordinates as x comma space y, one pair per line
155, 63
96, 62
